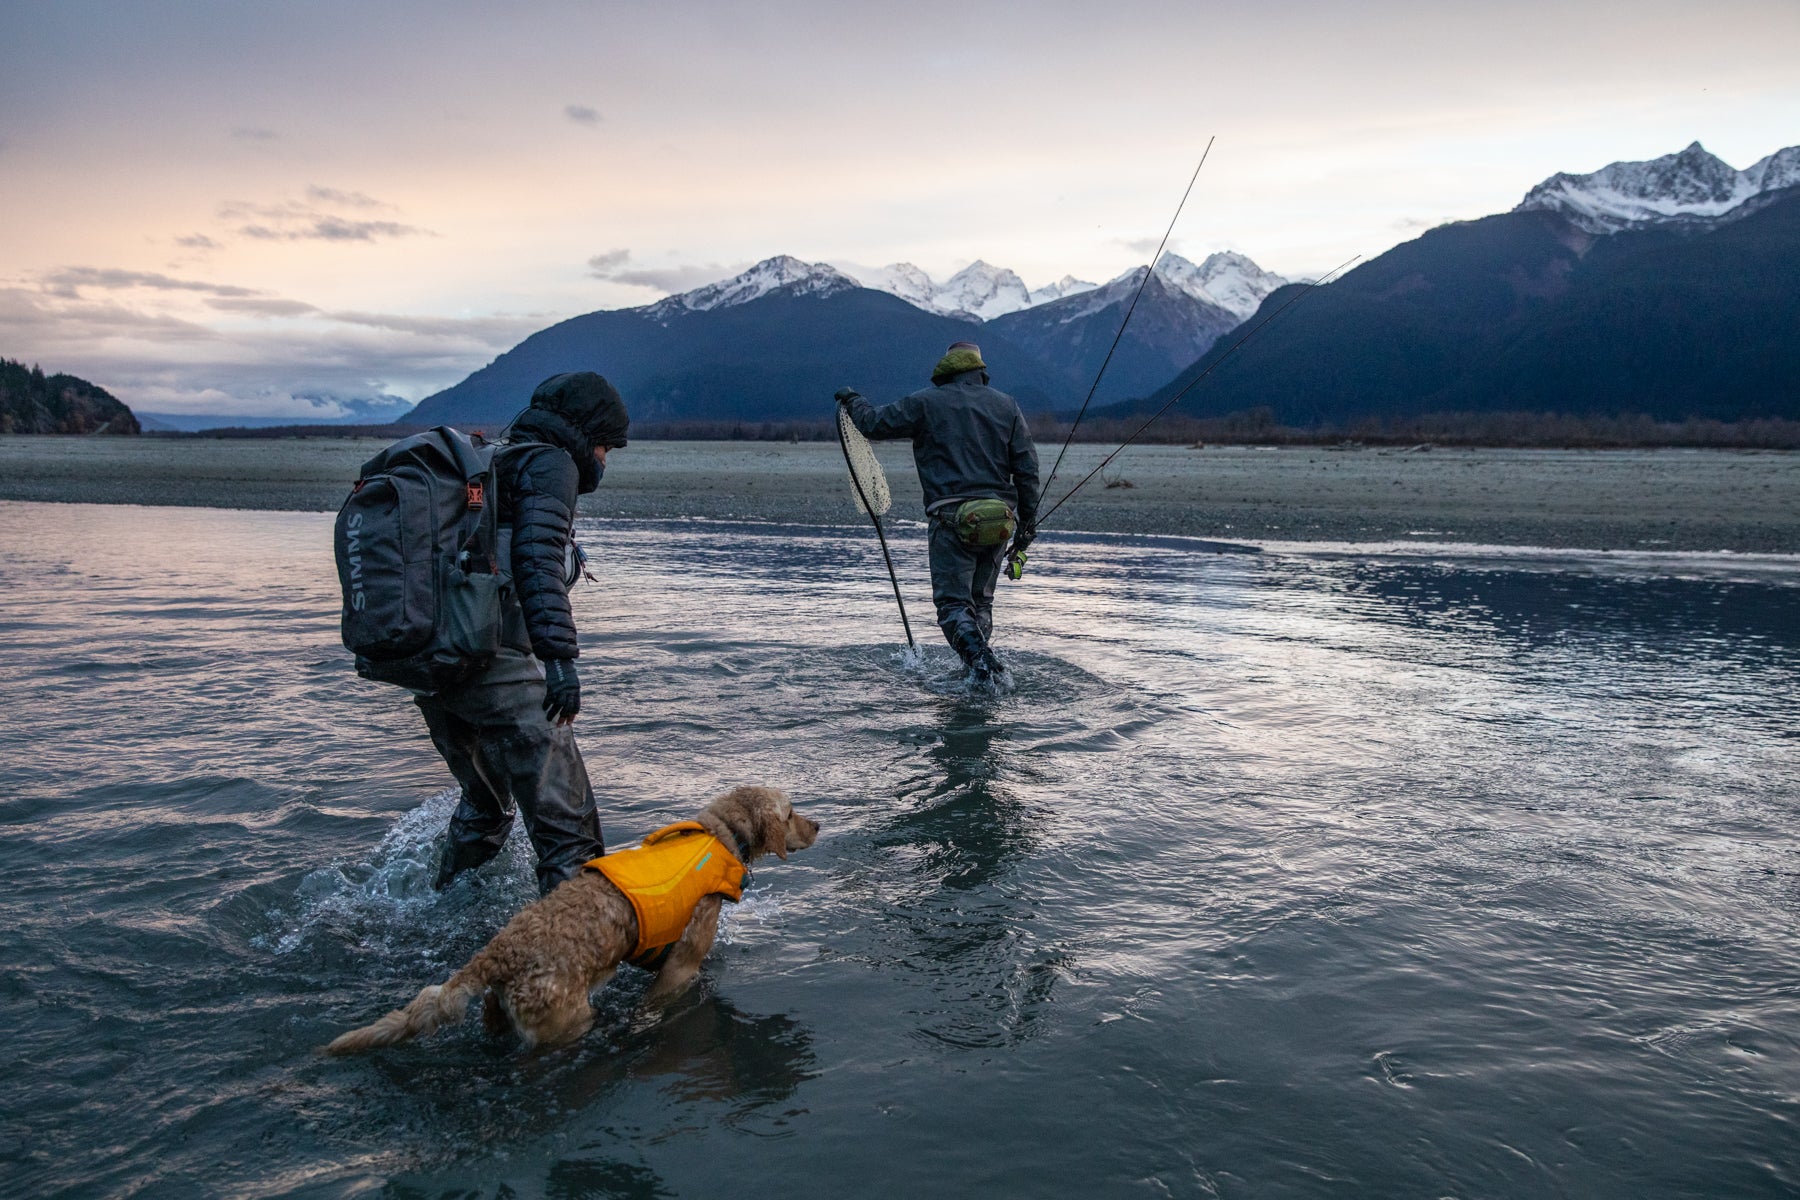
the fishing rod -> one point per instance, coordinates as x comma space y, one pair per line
1191, 384
1142, 284
856, 482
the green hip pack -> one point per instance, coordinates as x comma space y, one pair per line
984, 522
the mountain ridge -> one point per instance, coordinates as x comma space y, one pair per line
1688, 186
776, 356
666, 355
983, 292
1531, 311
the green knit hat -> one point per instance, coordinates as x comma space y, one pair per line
962, 356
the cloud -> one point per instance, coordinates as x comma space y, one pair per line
581, 114
325, 195
254, 133
1144, 247
261, 306
312, 219
173, 400
69, 281
331, 229
26, 320
163, 363
496, 331
160, 352
611, 267
197, 241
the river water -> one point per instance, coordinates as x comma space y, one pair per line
1325, 870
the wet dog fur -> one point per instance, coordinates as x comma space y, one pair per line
536, 973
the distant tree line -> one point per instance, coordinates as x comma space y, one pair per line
1257, 426
387, 432
1522, 430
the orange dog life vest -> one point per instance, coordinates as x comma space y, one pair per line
666, 876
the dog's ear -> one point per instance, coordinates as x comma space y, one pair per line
772, 812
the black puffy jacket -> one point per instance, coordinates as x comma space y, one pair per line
546, 466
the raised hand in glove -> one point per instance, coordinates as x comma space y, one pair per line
562, 691
846, 395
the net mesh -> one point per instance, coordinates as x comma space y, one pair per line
864, 469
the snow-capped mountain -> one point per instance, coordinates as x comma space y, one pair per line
899, 279
783, 273
1660, 290
1693, 185
1068, 285
1227, 279
979, 291
982, 291
1170, 327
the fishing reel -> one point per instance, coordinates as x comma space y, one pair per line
1015, 565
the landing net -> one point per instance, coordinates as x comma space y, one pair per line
866, 476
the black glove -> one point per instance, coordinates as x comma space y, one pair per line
562, 691
846, 395
1022, 539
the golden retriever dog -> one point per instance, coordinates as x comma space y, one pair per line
537, 973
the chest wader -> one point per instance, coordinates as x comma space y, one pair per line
967, 545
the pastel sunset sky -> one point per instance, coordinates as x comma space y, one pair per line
257, 208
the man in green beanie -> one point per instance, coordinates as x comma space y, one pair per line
979, 472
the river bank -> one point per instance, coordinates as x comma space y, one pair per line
1746, 501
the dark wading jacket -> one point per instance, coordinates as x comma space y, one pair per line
540, 475
969, 442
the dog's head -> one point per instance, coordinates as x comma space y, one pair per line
762, 820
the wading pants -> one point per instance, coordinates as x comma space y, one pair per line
507, 755
962, 587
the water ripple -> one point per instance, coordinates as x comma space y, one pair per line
1431, 870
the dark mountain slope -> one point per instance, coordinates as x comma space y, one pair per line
1168, 330
777, 357
1524, 311
1668, 323
31, 402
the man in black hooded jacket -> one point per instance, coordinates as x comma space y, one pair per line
505, 734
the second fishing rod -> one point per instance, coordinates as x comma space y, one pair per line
1015, 566
1015, 559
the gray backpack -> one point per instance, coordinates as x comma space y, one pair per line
420, 561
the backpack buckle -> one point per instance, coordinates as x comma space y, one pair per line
475, 497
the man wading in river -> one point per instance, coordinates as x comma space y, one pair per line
979, 472
505, 733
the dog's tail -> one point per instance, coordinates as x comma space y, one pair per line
440, 1004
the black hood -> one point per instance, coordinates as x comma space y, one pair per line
591, 405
